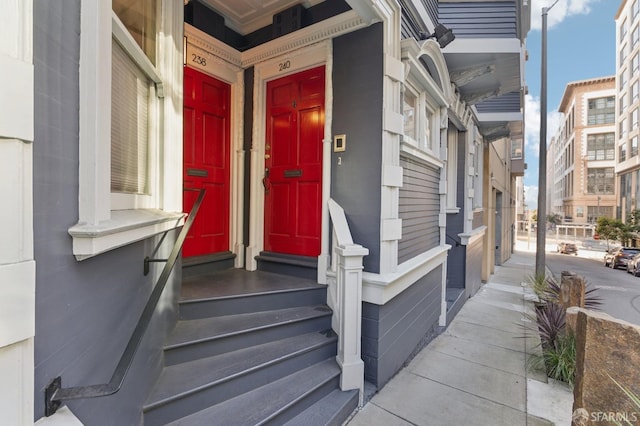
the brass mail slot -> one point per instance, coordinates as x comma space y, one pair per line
197, 172
293, 173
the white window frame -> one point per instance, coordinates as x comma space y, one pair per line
107, 221
478, 169
427, 146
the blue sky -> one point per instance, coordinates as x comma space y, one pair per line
581, 43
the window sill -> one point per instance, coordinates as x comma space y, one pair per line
422, 155
124, 227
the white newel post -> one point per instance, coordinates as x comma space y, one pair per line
349, 291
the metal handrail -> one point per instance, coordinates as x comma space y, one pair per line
55, 393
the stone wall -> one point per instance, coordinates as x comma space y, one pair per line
607, 351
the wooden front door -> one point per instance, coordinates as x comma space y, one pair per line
293, 163
206, 161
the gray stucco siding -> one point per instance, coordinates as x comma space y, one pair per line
356, 175
85, 311
392, 333
418, 207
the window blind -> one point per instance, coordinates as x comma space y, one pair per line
130, 91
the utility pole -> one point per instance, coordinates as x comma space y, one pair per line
541, 230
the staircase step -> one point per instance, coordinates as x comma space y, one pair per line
332, 410
273, 403
288, 264
207, 264
193, 386
200, 338
254, 302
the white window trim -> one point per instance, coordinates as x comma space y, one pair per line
99, 227
422, 105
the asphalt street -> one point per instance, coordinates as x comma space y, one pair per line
620, 291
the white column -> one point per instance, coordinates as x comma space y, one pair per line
349, 289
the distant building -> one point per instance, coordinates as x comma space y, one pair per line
581, 157
627, 90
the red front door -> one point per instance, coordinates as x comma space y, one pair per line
293, 163
206, 161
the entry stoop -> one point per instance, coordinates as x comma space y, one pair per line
250, 348
288, 264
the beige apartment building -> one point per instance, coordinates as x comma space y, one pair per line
627, 110
581, 158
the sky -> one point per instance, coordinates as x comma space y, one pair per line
581, 43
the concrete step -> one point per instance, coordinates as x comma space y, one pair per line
261, 301
274, 403
196, 385
201, 338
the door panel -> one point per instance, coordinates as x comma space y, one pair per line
293, 162
206, 161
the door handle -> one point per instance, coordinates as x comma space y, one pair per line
265, 181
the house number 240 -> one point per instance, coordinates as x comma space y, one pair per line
284, 65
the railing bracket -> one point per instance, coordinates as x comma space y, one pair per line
54, 393
148, 260
51, 405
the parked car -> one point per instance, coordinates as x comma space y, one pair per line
633, 264
617, 257
568, 248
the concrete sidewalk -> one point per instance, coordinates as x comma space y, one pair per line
475, 373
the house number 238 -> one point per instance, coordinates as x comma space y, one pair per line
198, 59
284, 65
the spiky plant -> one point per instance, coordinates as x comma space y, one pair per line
538, 284
551, 321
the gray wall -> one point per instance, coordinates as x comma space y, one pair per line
419, 207
456, 262
357, 113
85, 311
393, 333
490, 19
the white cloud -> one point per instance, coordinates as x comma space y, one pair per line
532, 124
531, 197
558, 13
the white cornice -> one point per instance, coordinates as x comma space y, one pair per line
327, 29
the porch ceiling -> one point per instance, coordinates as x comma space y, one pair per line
490, 82
246, 16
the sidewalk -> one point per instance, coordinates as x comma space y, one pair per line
475, 372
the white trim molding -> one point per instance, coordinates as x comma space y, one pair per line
17, 264
471, 237
381, 288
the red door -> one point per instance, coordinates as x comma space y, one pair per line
206, 161
293, 163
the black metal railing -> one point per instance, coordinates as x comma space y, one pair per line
55, 393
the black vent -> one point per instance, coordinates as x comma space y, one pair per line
288, 20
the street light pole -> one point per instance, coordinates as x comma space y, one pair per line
541, 230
